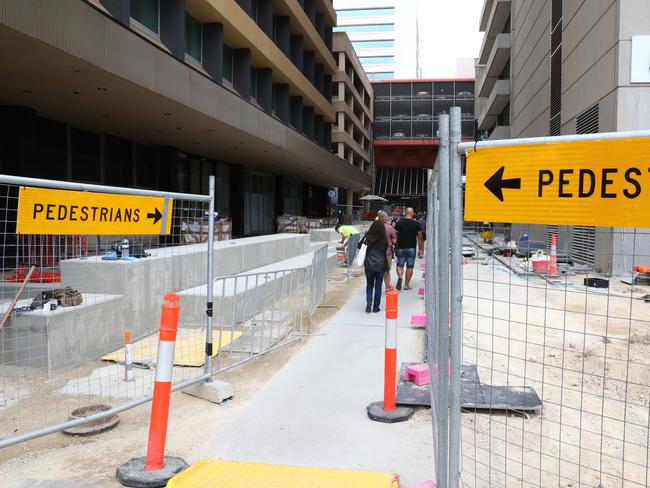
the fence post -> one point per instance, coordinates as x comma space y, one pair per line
210, 297
443, 302
456, 333
430, 302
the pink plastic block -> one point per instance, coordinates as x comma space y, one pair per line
421, 292
419, 373
418, 320
424, 484
423, 265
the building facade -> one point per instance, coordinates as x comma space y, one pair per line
163, 93
353, 102
406, 133
370, 24
555, 67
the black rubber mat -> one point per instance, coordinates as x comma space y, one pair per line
475, 395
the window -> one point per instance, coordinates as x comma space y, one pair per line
85, 155
365, 12
377, 60
227, 63
253, 83
118, 159
193, 37
366, 28
51, 147
373, 44
146, 169
147, 14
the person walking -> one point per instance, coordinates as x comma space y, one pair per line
409, 235
375, 264
391, 237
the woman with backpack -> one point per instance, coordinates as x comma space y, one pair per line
375, 264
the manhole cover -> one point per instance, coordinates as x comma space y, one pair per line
95, 426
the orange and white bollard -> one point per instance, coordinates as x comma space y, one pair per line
128, 357
155, 469
163, 385
388, 411
390, 351
552, 268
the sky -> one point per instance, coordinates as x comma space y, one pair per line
448, 31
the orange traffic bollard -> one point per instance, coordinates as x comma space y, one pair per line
388, 411
390, 351
155, 469
163, 386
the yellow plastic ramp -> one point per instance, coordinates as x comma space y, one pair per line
230, 474
189, 351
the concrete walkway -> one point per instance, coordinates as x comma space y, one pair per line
313, 412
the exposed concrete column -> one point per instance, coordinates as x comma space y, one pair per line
265, 88
349, 198
282, 34
213, 50
340, 121
120, 9
297, 48
340, 150
341, 91
172, 26
265, 16
341, 61
281, 101
296, 113
241, 72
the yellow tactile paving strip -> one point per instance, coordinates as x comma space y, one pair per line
189, 351
229, 474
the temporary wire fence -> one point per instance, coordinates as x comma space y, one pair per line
62, 347
540, 374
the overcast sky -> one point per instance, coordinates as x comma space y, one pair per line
448, 30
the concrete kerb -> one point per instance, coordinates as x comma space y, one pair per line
133, 473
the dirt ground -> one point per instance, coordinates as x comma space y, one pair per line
586, 352
193, 428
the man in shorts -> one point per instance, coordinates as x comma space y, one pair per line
409, 235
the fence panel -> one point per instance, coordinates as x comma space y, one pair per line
61, 356
318, 280
256, 313
556, 354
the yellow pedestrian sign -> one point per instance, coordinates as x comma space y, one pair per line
590, 182
46, 211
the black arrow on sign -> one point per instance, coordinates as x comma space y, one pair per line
156, 216
496, 183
